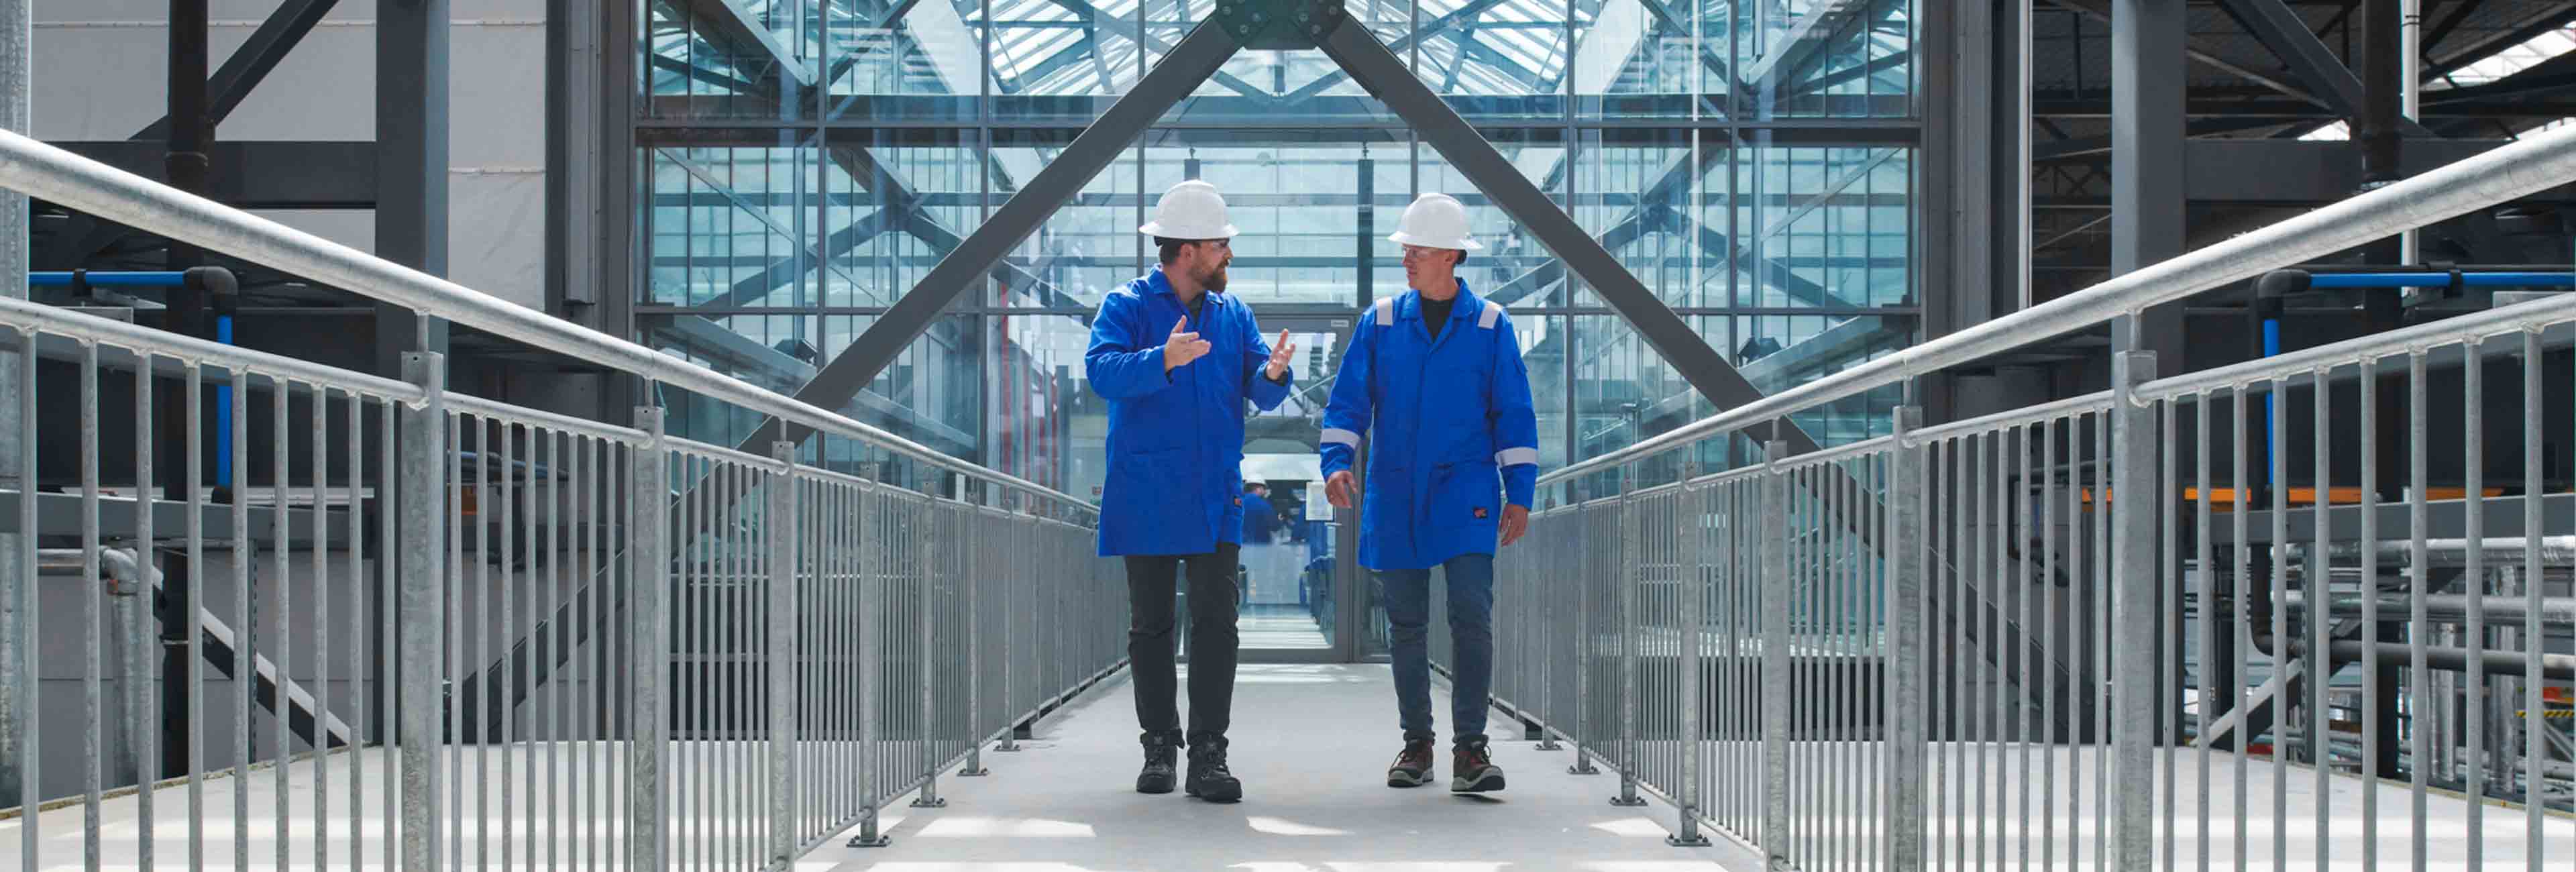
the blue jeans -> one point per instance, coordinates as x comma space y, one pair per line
1470, 582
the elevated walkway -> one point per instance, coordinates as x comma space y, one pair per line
1311, 743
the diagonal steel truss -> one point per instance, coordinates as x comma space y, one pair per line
1191, 62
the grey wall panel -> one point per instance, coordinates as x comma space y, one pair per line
496, 234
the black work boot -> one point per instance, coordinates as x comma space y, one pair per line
1472, 768
1160, 755
1209, 779
1413, 767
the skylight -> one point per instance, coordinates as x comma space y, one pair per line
2509, 61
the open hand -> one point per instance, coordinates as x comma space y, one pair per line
1280, 353
1515, 523
1342, 488
1182, 346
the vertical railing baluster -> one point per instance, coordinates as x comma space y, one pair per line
1777, 588
1625, 574
648, 546
1907, 669
2133, 667
781, 526
1687, 523
871, 531
421, 582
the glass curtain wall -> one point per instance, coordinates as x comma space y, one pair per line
804, 162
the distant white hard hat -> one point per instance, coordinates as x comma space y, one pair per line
1190, 210
1435, 221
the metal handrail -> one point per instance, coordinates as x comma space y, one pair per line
2513, 171
38, 170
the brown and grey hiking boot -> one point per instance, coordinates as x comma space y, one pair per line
1472, 768
1413, 767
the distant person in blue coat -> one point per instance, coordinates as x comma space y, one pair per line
1177, 360
1433, 378
1260, 526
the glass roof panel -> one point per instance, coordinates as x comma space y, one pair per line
2512, 59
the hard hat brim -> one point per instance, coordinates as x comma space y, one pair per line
1156, 228
1464, 244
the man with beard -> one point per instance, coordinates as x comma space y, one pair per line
1176, 358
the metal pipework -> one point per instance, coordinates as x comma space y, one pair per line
2495, 551
2554, 667
2447, 607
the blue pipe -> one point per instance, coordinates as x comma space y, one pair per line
110, 279
2443, 280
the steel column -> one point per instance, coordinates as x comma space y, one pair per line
411, 162
2147, 171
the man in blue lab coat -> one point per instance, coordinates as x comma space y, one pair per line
1177, 360
1433, 378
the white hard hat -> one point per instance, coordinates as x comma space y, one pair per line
1435, 221
1190, 210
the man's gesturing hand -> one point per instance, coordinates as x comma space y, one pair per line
1280, 354
1182, 346
1342, 488
1515, 523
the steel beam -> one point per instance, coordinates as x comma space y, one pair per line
1385, 77
1445, 25
411, 164
2101, 11
1181, 71
724, 24
252, 62
2281, 30
1655, 209
2555, 20
260, 175
1806, 35
779, 273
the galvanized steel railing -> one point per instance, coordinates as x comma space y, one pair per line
2085, 633
427, 630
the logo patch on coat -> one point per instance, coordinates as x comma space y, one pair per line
1480, 513
1238, 501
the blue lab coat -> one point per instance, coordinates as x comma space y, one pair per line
1175, 483
1455, 438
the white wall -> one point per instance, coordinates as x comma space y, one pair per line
101, 73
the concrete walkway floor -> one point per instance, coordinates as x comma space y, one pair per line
1311, 744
